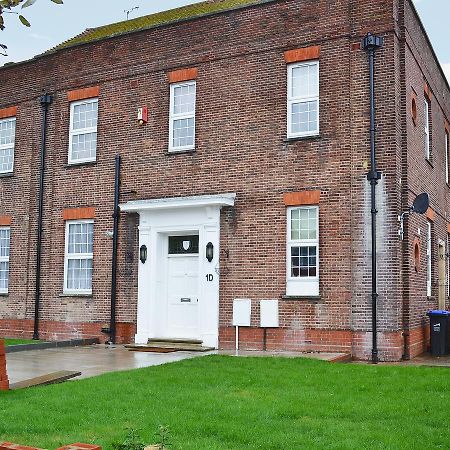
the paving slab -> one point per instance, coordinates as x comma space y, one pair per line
90, 361
323, 356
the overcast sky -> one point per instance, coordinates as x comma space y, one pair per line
52, 24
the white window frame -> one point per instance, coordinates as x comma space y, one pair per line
81, 131
6, 259
77, 256
447, 149
305, 286
429, 257
302, 99
9, 146
427, 135
173, 117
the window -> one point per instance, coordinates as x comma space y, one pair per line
182, 116
78, 257
303, 251
303, 99
4, 259
182, 245
447, 149
427, 128
7, 141
429, 256
83, 131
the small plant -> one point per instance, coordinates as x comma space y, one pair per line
163, 436
132, 442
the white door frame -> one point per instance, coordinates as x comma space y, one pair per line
157, 219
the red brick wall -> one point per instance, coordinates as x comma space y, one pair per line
240, 147
421, 76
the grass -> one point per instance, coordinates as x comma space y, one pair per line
228, 403
20, 341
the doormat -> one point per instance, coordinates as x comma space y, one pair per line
153, 349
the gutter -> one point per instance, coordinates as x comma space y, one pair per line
46, 100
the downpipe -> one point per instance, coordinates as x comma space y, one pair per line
116, 216
45, 100
370, 44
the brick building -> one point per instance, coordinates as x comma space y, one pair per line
258, 143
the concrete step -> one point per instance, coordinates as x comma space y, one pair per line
188, 345
174, 340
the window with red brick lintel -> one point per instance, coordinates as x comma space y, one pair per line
83, 131
427, 117
4, 259
446, 151
7, 143
303, 251
182, 116
78, 261
429, 257
303, 99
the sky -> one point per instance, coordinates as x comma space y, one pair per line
52, 24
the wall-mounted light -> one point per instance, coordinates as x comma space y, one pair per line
143, 254
209, 251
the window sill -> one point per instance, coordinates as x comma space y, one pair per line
180, 152
66, 295
4, 294
306, 298
87, 163
6, 175
302, 138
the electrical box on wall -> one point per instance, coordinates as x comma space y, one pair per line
269, 313
242, 310
143, 115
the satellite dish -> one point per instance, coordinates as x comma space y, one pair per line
421, 203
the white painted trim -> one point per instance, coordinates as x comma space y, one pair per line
158, 219
179, 202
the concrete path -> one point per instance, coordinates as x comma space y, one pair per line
90, 361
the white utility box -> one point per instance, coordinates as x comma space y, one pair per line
242, 310
269, 313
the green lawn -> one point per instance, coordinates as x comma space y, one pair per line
19, 341
229, 403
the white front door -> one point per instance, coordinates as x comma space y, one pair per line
182, 287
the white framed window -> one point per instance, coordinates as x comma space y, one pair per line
447, 150
7, 143
182, 116
78, 261
4, 259
302, 277
83, 131
303, 99
429, 258
427, 131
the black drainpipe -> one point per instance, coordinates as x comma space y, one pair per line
371, 44
46, 101
116, 216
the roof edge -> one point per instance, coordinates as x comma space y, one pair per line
422, 26
55, 50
